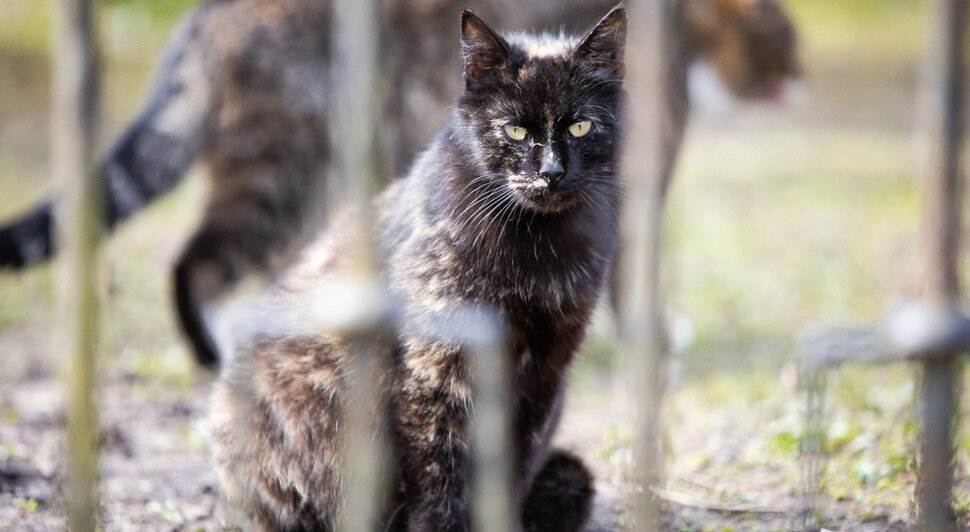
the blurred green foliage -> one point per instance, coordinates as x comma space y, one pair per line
26, 25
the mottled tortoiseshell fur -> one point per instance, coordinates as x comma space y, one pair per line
479, 221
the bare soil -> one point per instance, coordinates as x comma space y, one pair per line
156, 474
155, 471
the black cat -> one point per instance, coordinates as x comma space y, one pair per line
513, 207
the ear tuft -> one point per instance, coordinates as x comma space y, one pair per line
486, 54
604, 44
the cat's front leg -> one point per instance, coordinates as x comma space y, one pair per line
540, 385
431, 419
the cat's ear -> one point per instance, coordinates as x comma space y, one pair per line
486, 54
603, 45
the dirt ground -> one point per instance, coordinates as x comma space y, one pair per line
155, 468
156, 474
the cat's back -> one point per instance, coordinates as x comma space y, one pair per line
231, 22
268, 63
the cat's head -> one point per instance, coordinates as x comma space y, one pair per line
748, 46
539, 114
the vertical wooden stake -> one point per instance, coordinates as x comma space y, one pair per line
642, 329
812, 380
75, 95
357, 103
357, 170
941, 239
492, 493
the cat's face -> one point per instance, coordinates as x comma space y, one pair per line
539, 115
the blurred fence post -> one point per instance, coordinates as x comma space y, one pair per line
75, 109
642, 329
941, 243
491, 425
812, 449
355, 177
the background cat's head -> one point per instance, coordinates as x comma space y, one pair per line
539, 114
746, 46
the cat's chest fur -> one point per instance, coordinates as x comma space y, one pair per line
518, 263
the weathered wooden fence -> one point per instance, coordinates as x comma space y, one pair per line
945, 331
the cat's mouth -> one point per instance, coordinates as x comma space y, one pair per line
536, 194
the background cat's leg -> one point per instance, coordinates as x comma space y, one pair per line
561, 496
432, 436
232, 243
191, 293
252, 227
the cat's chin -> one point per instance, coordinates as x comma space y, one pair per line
546, 201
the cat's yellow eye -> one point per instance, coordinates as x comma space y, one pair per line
515, 132
580, 128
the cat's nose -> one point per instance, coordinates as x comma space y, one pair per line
552, 173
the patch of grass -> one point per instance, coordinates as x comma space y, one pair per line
26, 26
762, 245
26, 505
29, 296
869, 28
742, 440
9, 416
26, 23
167, 510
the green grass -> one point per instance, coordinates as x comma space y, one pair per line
881, 29
137, 25
782, 229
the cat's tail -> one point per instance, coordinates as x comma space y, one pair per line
150, 157
28, 240
561, 496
